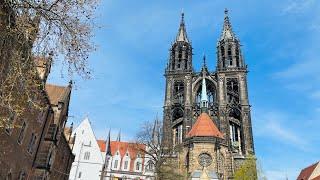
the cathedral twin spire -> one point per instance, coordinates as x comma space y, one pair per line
227, 33
228, 50
182, 33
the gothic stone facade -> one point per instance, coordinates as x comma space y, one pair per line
228, 103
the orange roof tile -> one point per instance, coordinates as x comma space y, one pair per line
102, 145
205, 127
123, 147
306, 172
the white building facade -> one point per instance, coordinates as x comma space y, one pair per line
124, 159
88, 158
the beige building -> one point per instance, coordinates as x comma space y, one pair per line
310, 173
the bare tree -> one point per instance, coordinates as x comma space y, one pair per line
162, 157
30, 28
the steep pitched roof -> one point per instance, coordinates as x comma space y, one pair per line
306, 172
123, 147
57, 93
204, 127
102, 145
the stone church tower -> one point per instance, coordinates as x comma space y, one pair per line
216, 101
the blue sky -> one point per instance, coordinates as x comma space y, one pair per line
280, 44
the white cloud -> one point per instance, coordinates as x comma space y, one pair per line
298, 6
271, 125
303, 68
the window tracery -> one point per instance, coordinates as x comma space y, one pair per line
179, 92
232, 90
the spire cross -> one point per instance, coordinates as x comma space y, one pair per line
182, 16
204, 59
226, 11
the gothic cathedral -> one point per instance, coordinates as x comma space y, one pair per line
207, 113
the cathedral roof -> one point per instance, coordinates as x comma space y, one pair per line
204, 127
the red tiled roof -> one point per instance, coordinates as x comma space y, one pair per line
205, 127
306, 172
123, 147
102, 145
56, 93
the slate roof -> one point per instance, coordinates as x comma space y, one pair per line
57, 93
205, 127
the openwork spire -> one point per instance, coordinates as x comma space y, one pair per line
204, 96
182, 34
204, 68
227, 32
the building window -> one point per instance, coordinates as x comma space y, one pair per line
115, 166
150, 165
79, 175
22, 131
9, 176
230, 56
138, 166
125, 165
22, 175
86, 155
178, 134
32, 142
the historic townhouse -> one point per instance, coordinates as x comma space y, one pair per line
107, 159
208, 112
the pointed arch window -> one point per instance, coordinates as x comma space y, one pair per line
211, 93
222, 51
177, 132
230, 56
235, 129
179, 92
237, 57
177, 114
232, 90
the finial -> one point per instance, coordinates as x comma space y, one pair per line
204, 59
226, 11
182, 16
